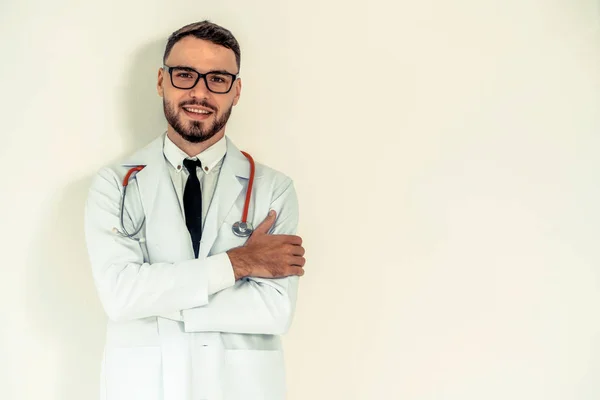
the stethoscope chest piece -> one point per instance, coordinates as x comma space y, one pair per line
242, 229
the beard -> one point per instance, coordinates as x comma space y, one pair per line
195, 131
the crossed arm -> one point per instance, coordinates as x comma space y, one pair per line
267, 269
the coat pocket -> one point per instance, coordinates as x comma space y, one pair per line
254, 375
133, 373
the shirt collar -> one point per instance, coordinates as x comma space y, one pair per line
209, 158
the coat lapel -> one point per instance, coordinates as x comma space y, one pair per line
166, 233
148, 178
234, 171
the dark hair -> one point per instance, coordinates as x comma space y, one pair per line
205, 30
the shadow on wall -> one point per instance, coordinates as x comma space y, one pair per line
62, 300
143, 116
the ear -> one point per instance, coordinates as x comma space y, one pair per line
238, 91
159, 83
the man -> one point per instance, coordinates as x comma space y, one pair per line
195, 311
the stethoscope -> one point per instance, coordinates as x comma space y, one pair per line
242, 228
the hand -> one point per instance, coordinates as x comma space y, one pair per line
268, 256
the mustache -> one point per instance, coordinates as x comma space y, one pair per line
198, 103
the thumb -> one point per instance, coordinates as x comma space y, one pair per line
266, 225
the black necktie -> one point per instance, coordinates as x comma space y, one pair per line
192, 203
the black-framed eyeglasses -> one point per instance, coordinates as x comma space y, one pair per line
186, 78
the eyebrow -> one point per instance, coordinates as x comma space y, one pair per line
219, 71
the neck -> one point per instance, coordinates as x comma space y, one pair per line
193, 149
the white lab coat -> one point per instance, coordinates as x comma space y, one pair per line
166, 338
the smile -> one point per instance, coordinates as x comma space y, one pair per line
197, 110
197, 113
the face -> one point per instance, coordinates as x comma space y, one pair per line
197, 114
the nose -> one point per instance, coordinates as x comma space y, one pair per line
200, 90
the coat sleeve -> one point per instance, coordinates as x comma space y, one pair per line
254, 305
128, 287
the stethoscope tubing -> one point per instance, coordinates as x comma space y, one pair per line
245, 231
250, 184
122, 209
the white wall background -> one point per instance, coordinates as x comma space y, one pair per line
446, 159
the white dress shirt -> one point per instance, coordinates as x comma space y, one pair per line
220, 275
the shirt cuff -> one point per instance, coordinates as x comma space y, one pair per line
220, 273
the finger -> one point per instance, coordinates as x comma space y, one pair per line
291, 239
295, 271
288, 239
263, 227
297, 251
297, 261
